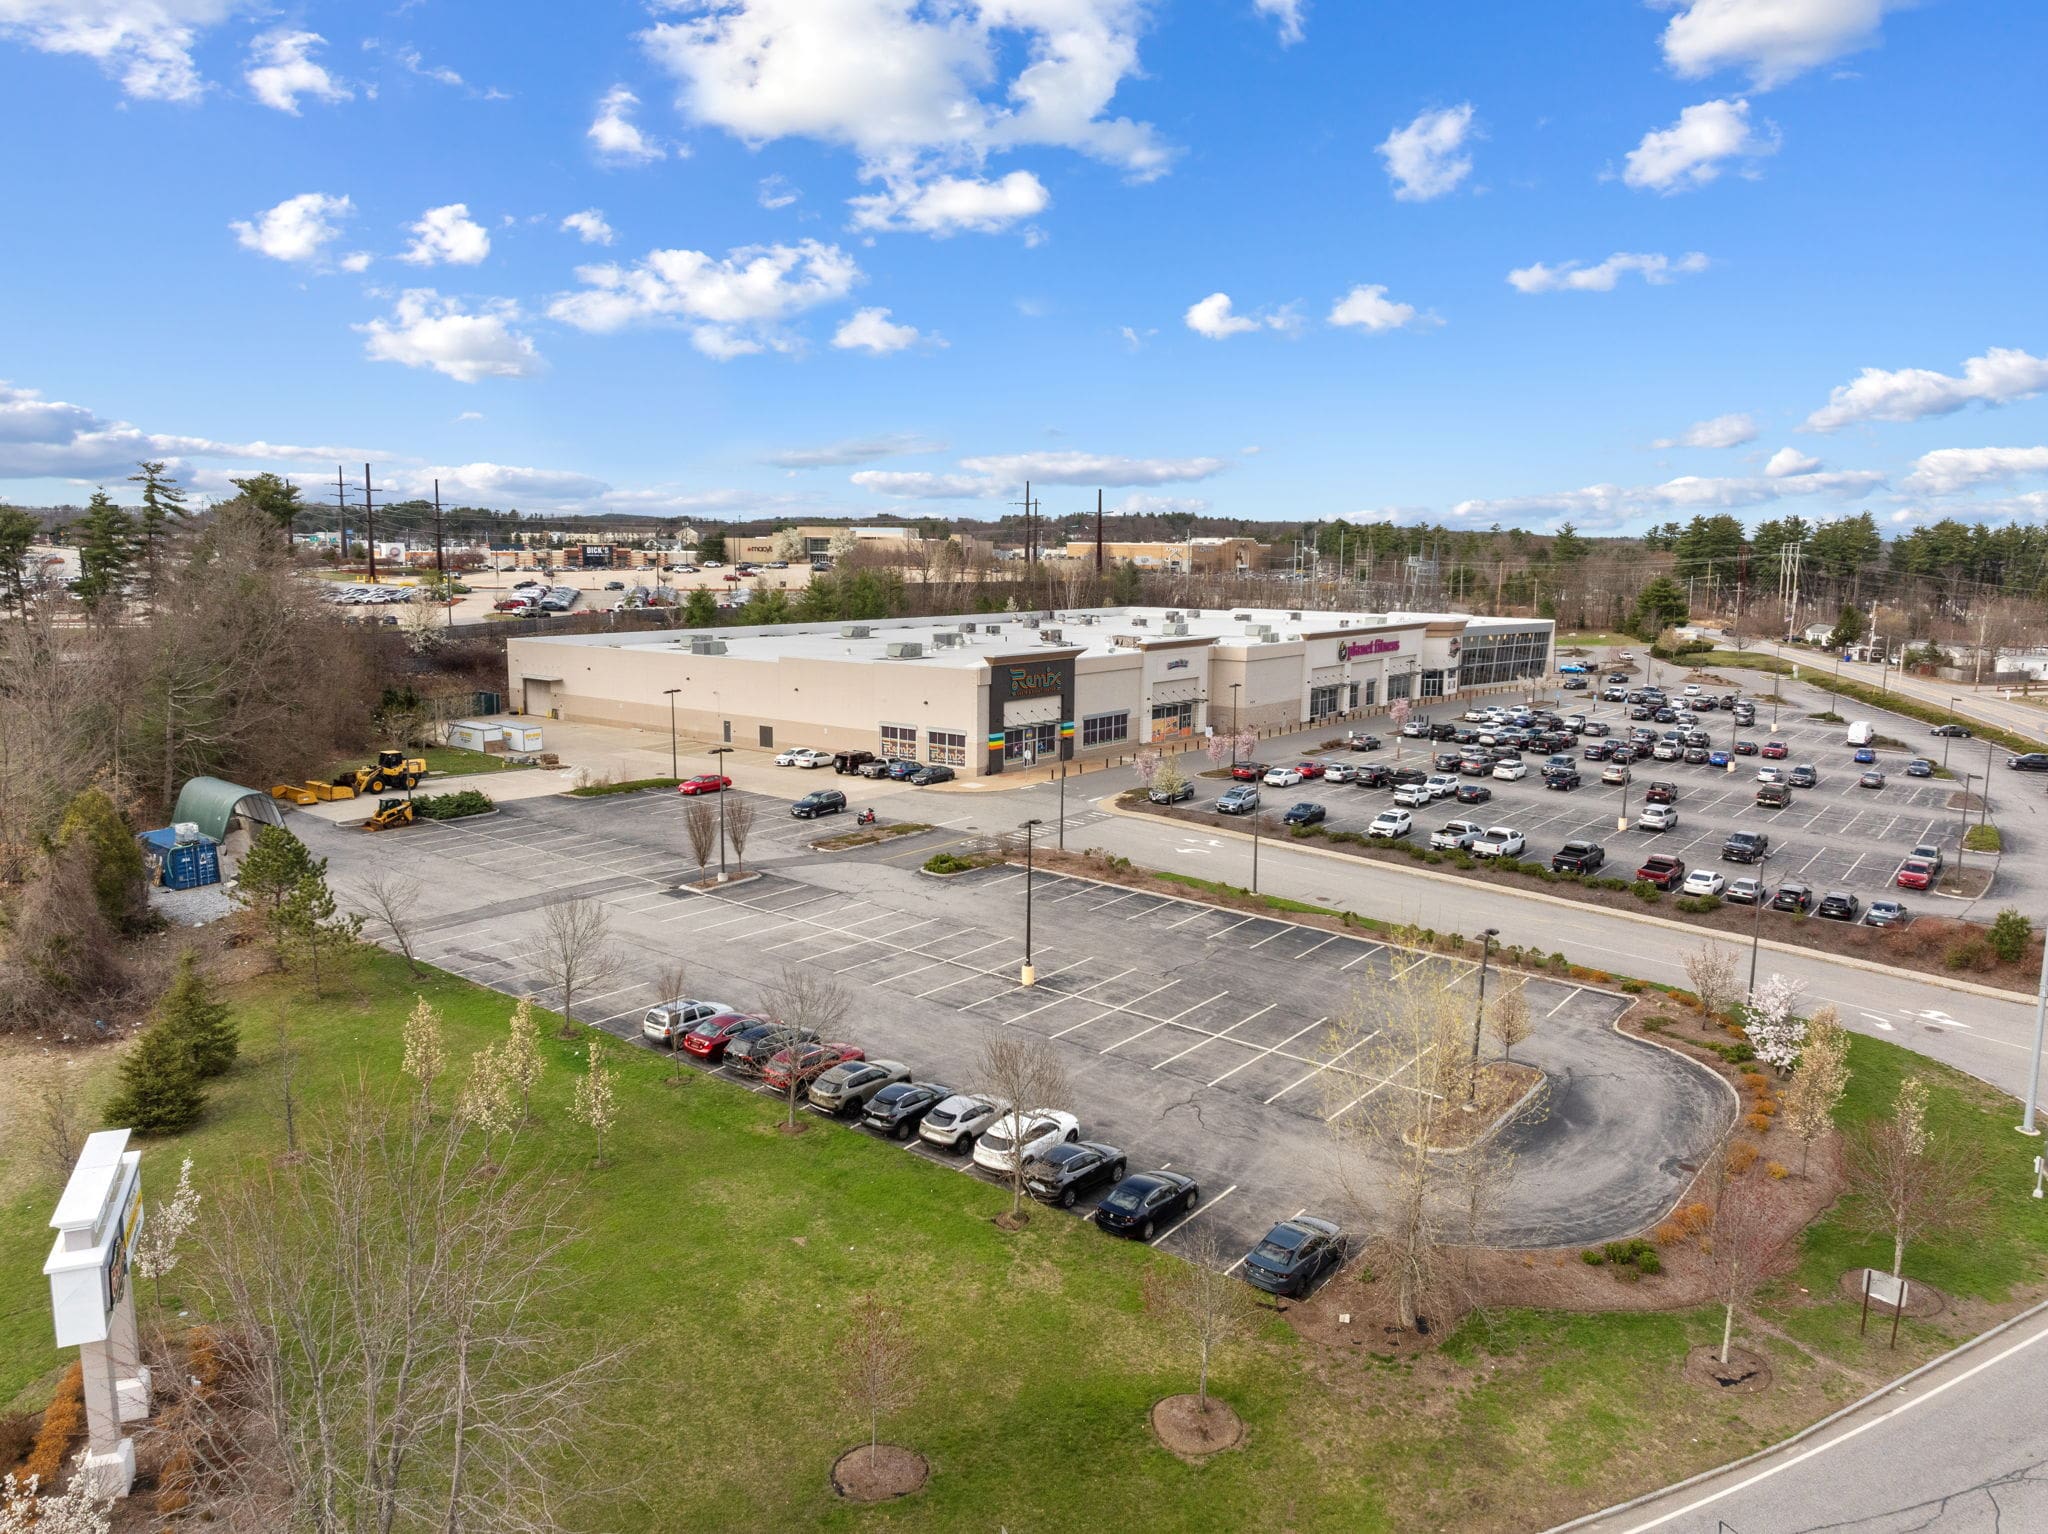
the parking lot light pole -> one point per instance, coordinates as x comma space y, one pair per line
718, 767
1479, 1017
1732, 727
674, 769
1233, 725
1963, 828
1945, 739
1063, 806
1029, 974
1756, 927
1621, 821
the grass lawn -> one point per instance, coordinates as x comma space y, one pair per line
730, 1253
1587, 638
442, 762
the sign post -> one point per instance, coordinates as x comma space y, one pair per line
93, 1302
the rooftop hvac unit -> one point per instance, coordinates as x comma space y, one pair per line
905, 649
1294, 617
707, 646
1125, 641
1240, 617
854, 631
1174, 628
1138, 623
967, 628
1052, 636
1173, 615
945, 639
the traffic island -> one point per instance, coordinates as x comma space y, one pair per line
879, 1473
1192, 1430
1503, 1092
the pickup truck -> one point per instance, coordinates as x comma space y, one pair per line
1456, 834
1663, 871
1577, 858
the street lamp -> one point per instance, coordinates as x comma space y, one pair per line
2027, 1125
1963, 827
1029, 974
1945, 739
674, 768
1479, 1017
718, 767
1233, 725
1628, 771
1756, 928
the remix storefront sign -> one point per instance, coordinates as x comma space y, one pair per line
1032, 681
1176, 665
1353, 649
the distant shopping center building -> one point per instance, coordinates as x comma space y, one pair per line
985, 692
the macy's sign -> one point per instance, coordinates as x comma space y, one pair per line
1352, 649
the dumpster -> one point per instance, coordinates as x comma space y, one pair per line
179, 858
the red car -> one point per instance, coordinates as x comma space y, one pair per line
708, 1039
807, 1064
1662, 870
1310, 769
1914, 874
1776, 750
704, 783
1248, 772
511, 605
1745, 748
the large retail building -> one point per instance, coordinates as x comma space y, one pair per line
987, 691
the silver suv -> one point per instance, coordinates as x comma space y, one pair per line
845, 1088
666, 1022
956, 1121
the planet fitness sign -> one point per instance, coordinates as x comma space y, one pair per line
1357, 647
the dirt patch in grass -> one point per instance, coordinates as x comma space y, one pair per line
1189, 1429
1499, 1089
1968, 882
879, 1473
1745, 1373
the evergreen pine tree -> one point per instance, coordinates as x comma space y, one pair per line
191, 1010
700, 609
95, 827
163, 509
17, 533
276, 862
106, 551
160, 1092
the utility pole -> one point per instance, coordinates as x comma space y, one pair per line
1098, 532
341, 509
440, 559
1030, 535
370, 523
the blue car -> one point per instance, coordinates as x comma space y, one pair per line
1717, 758
1865, 755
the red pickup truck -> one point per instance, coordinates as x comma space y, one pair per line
1662, 870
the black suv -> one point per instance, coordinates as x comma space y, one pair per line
2032, 761
1577, 858
1068, 1170
1373, 775
896, 1110
1840, 905
846, 763
1746, 847
1793, 897
1803, 776
826, 801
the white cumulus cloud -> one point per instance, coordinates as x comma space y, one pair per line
777, 192
1368, 308
55, 439
1775, 40
2001, 375
427, 330
1608, 505
951, 204
1789, 460
590, 227
1949, 469
615, 135
1575, 277
902, 82
281, 70
872, 331
1288, 13
1691, 151
1071, 468
919, 485
732, 305
1730, 430
447, 234
145, 44
854, 450
1427, 158
1214, 318
297, 229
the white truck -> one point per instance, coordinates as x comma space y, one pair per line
1862, 732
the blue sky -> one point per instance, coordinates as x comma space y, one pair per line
1485, 262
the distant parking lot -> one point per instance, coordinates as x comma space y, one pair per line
1833, 836
1196, 1038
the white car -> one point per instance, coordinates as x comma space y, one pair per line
1512, 770
1441, 785
796, 756
1283, 777
1693, 690
1501, 842
1391, 823
1020, 1136
956, 1121
1415, 729
814, 758
1770, 774
665, 1022
1413, 795
1703, 881
1656, 817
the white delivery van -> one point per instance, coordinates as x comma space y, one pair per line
1862, 732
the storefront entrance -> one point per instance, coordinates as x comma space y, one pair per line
1033, 742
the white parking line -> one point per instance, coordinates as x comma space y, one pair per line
1323, 944
1568, 995
1360, 1044
1128, 1006
1285, 928
1225, 1034
1066, 996
1261, 1054
1376, 1086
1370, 950
1192, 916
1195, 1213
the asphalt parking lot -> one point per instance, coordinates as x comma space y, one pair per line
1195, 1038
1833, 836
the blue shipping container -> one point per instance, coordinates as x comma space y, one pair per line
180, 865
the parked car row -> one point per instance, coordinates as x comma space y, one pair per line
1058, 1166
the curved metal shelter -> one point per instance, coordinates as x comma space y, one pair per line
213, 803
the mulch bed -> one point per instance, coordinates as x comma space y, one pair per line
1013, 1222
1191, 1433
1502, 1085
879, 1474
1745, 1373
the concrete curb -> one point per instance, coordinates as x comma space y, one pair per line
1586, 1520
1946, 982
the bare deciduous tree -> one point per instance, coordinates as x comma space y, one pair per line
54, 1111
391, 900
576, 952
1025, 1074
1202, 1305
806, 998
1739, 1245
700, 824
424, 1381
880, 1375
739, 825
1508, 1021
1406, 1061
673, 984
1712, 972
1819, 1081
285, 1062
1907, 1181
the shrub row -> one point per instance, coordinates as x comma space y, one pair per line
470, 801
1632, 1259
63, 1420
630, 786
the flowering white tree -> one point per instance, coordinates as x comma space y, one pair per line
486, 1100
1776, 1031
426, 1056
523, 1062
596, 1102
156, 1248
1219, 747
1148, 767
74, 1511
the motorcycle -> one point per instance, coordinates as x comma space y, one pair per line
864, 818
